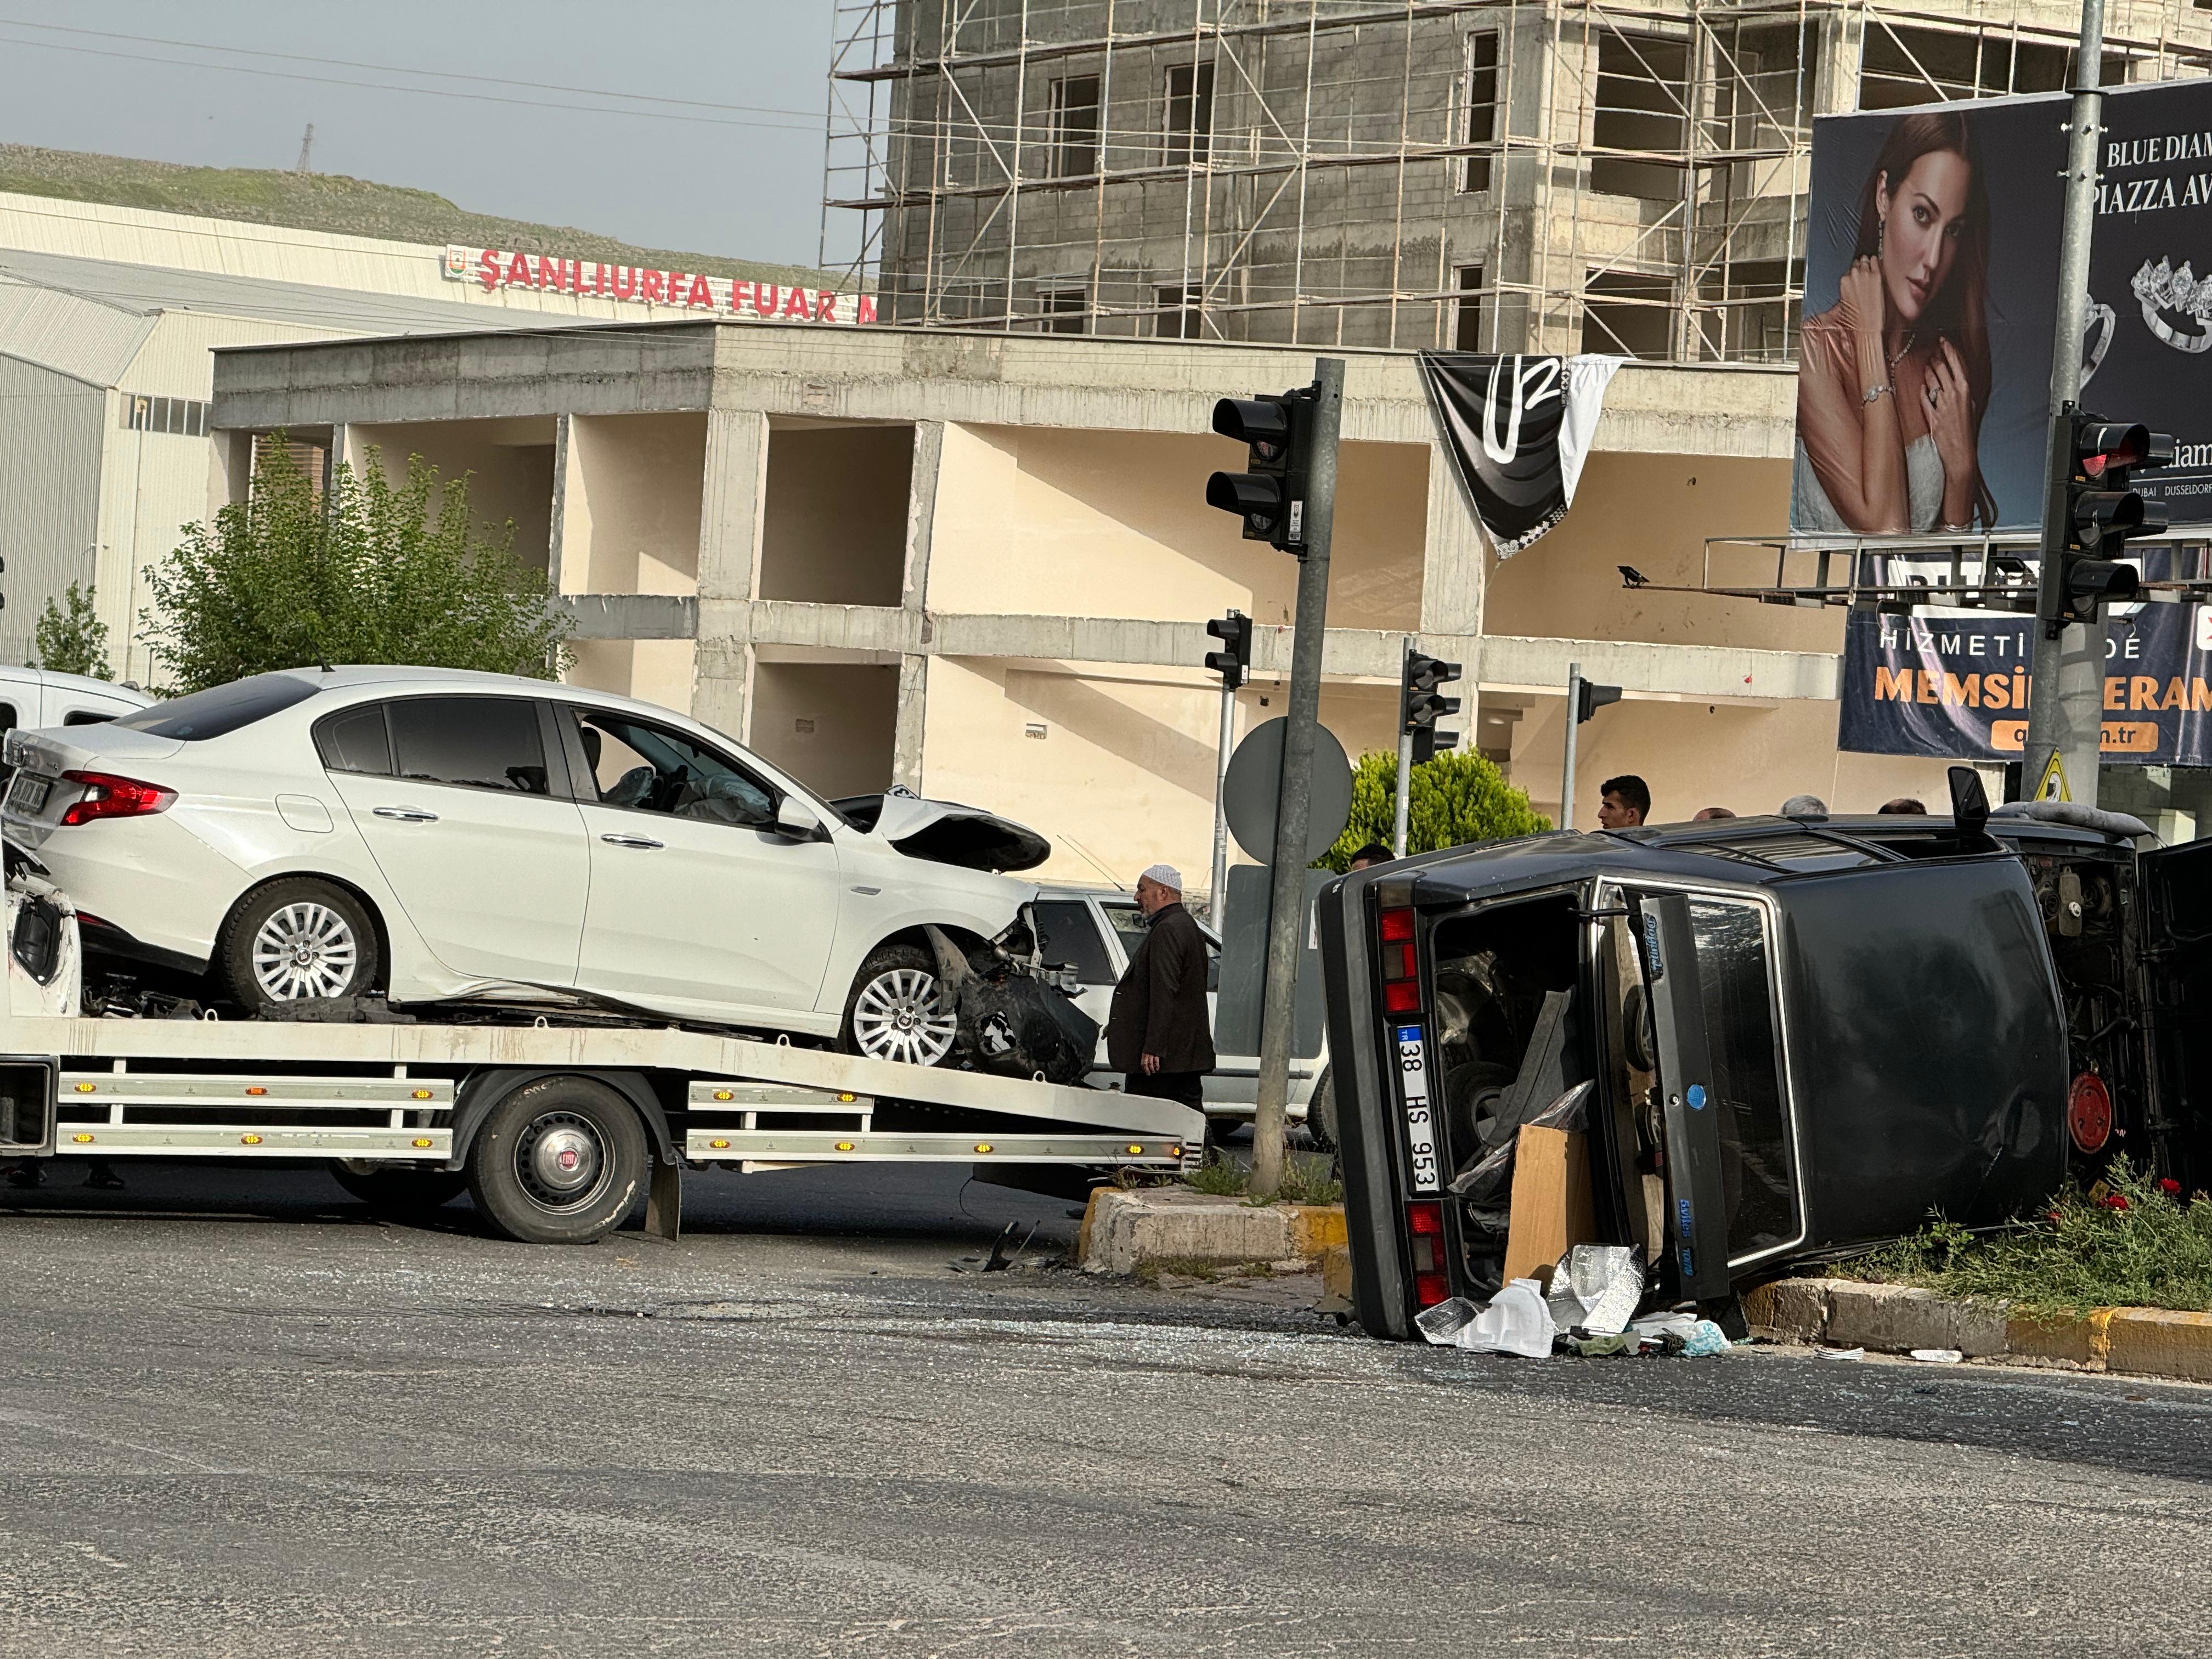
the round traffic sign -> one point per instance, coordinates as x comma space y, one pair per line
1250, 791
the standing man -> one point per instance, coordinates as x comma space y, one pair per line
1159, 1032
1623, 803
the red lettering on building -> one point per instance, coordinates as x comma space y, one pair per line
702, 295
765, 295
863, 308
795, 302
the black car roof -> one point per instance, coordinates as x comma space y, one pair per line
1740, 851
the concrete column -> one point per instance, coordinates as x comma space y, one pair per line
732, 493
1453, 573
914, 598
563, 427
1837, 48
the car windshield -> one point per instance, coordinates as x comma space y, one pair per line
223, 709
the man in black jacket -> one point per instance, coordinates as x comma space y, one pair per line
1159, 1032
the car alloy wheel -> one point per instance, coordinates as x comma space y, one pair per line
304, 949
896, 1017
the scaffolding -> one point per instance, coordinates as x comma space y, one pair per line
1578, 175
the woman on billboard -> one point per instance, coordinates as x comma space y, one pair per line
1894, 378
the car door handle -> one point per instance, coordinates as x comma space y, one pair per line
405, 814
631, 840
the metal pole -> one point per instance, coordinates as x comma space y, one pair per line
1286, 900
2066, 693
1217, 906
1567, 772
1403, 787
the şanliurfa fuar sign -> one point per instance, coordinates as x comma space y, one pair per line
492, 268
1930, 303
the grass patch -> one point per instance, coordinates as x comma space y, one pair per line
2130, 1241
1307, 1179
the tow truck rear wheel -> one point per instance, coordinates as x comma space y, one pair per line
398, 1188
559, 1161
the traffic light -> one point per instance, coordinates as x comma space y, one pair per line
1590, 698
1419, 703
1270, 498
2101, 513
1233, 662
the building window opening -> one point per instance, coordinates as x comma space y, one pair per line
1189, 130
1075, 126
1642, 106
1180, 312
1065, 310
1902, 67
181, 417
1466, 318
1627, 313
1481, 105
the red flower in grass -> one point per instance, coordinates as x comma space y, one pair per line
2116, 1201
2170, 1186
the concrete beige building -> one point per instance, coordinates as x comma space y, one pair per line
981, 565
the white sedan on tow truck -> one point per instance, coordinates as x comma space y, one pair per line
440, 835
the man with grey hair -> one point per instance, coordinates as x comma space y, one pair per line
1804, 807
1159, 1034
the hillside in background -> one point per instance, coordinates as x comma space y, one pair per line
340, 206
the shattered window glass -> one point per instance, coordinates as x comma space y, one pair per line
1755, 1160
650, 769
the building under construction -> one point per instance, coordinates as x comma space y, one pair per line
1430, 173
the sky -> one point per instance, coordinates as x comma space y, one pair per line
734, 168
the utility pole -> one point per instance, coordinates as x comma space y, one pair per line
1404, 788
307, 147
1286, 913
2066, 696
1574, 725
1233, 662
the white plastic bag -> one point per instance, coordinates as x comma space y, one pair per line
1518, 1320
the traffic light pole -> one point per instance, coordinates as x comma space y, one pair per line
1574, 725
1403, 789
1218, 905
2066, 695
1286, 899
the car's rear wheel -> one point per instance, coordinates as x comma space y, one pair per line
892, 1012
297, 939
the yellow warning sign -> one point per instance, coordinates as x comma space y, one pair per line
2052, 785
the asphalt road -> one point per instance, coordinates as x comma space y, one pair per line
237, 1416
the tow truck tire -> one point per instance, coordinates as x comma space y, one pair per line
560, 1161
400, 1188
297, 938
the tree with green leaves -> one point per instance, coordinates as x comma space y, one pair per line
376, 572
74, 640
1456, 798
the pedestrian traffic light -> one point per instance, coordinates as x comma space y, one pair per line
1233, 662
1590, 698
1419, 703
2102, 513
1270, 498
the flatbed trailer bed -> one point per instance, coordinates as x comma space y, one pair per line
553, 1127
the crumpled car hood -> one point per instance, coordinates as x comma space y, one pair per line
945, 832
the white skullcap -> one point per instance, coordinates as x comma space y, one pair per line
1166, 875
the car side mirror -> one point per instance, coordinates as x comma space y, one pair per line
793, 819
1970, 802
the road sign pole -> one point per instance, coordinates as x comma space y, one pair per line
1403, 789
1574, 725
1285, 916
1218, 905
2066, 694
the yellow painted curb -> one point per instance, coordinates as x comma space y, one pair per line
1316, 1229
2154, 1342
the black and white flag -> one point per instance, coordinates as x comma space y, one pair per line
1518, 429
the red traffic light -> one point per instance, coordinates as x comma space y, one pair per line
2100, 447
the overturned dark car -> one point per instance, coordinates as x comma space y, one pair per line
1802, 1037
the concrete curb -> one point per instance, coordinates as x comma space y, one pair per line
1896, 1318
1126, 1229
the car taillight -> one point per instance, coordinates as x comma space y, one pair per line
1401, 991
107, 796
1425, 1231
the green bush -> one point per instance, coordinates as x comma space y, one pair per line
378, 572
1456, 798
2131, 1241
74, 640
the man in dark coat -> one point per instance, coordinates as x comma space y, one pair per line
1159, 1032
